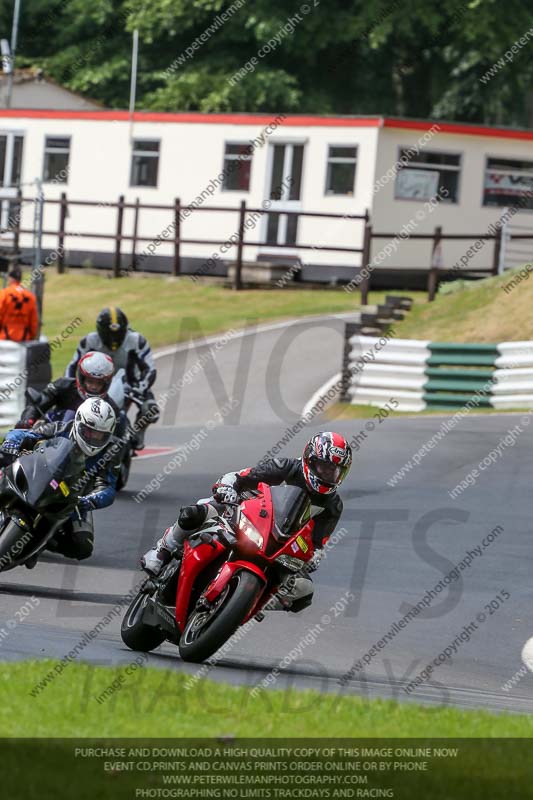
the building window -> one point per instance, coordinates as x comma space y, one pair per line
508, 182
340, 176
237, 167
56, 158
144, 163
422, 176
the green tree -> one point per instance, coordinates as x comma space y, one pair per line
397, 57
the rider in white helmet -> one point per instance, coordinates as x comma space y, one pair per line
93, 425
92, 429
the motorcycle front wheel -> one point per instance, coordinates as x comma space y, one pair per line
135, 634
207, 630
13, 540
124, 472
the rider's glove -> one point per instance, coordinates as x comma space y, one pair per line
226, 494
224, 489
16, 444
12, 448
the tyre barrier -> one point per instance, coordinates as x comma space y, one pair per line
21, 366
371, 321
439, 375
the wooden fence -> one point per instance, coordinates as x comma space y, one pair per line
119, 237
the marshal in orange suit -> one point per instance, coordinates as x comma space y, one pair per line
19, 318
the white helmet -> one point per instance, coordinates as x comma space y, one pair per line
93, 426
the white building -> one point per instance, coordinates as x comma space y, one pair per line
394, 168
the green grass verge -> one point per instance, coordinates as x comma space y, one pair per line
340, 411
479, 311
169, 310
156, 703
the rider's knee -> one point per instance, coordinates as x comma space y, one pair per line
191, 517
79, 545
84, 545
150, 411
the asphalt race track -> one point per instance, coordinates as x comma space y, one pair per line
395, 544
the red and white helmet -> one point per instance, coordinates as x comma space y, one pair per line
326, 461
94, 374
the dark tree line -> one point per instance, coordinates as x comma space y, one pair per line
398, 57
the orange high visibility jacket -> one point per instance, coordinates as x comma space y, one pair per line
19, 320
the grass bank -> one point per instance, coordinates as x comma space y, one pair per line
169, 310
157, 703
492, 310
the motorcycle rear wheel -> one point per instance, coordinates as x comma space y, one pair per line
135, 634
206, 632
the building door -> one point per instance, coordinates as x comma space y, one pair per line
285, 170
11, 145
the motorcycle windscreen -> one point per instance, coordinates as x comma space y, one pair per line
292, 509
50, 463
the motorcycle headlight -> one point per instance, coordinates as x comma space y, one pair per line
290, 562
249, 530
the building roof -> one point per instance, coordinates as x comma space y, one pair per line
32, 90
298, 120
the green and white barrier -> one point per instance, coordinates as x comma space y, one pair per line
423, 374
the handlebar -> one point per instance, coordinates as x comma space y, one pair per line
134, 396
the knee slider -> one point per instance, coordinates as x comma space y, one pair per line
150, 410
191, 517
80, 546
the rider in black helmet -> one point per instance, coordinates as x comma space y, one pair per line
130, 351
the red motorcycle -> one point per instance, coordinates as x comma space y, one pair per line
230, 569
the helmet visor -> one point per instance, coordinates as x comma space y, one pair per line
94, 386
326, 470
116, 334
93, 437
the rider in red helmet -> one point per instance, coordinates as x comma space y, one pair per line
93, 378
324, 465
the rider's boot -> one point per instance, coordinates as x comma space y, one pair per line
159, 556
294, 594
190, 519
147, 415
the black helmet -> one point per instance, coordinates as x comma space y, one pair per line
112, 326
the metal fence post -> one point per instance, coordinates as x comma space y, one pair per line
63, 211
349, 329
135, 232
238, 264
118, 240
496, 253
37, 279
436, 263
18, 216
177, 237
365, 259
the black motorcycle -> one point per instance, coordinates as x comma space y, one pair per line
125, 398
37, 496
